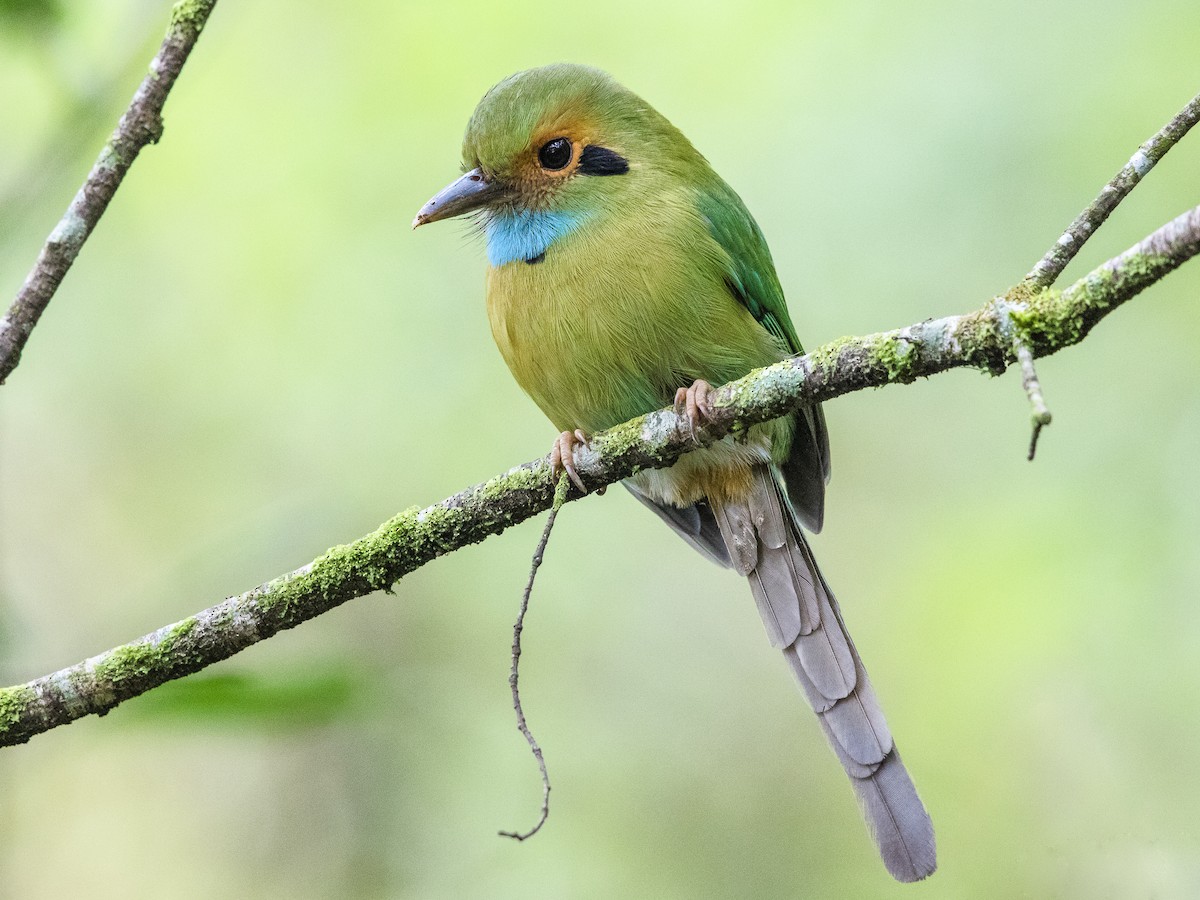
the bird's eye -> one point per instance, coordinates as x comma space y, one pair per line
555, 154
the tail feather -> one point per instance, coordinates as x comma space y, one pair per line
856, 725
826, 656
787, 565
802, 617
853, 767
897, 820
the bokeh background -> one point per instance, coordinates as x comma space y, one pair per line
255, 358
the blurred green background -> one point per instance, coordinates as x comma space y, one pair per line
255, 358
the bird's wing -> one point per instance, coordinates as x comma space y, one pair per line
750, 272
751, 279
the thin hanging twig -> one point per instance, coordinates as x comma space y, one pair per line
1040, 414
560, 497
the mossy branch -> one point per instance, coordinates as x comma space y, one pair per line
140, 125
1047, 321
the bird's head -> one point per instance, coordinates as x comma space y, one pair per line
549, 149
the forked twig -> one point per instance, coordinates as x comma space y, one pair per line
1051, 265
1065, 249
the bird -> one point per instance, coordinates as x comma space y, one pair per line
624, 275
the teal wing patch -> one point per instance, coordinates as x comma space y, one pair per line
751, 272
750, 275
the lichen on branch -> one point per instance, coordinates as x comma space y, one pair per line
1047, 319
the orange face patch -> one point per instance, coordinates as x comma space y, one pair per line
531, 170
558, 150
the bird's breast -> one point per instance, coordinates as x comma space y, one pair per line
617, 315
600, 328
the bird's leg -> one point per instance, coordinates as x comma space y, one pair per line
562, 456
695, 402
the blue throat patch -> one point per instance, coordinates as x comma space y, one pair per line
525, 234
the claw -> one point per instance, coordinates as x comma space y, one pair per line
695, 403
562, 457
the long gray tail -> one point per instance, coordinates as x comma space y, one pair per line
802, 619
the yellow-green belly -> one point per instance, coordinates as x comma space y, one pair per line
597, 344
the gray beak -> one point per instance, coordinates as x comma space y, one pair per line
470, 192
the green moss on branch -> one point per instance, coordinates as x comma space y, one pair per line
1047, 320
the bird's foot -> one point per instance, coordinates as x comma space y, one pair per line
562, 456
695, 402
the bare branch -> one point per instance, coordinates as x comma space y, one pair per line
140, 125
1051, 265
1045, 320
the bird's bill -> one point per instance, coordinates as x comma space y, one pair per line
470, 192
